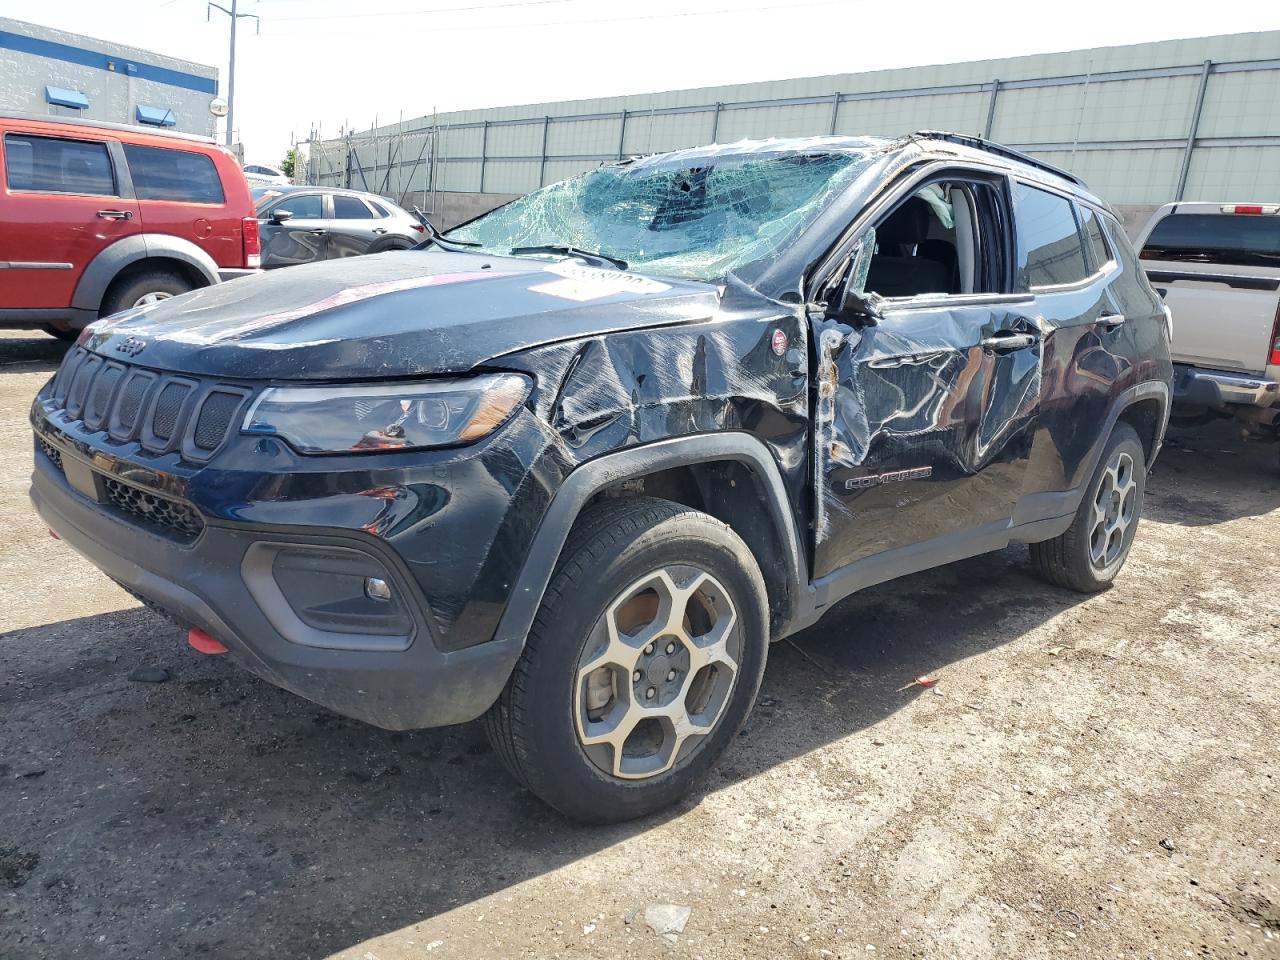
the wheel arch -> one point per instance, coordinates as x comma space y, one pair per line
137, 252
742, 472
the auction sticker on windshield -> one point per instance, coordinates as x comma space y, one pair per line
587, 283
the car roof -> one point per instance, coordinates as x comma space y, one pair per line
931, 144
141, 131
261, 189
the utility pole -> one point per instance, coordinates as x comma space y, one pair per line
235, 16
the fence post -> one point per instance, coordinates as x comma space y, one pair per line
835, 111
991, 109
622, 134
715, 123
484, 153
1191, 133
542, 163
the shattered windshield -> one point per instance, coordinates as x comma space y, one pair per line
671, 218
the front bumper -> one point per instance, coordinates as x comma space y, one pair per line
225, 582
1193, 386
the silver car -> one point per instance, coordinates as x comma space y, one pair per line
305, 224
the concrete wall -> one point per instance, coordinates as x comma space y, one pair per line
1118, 116
115, 79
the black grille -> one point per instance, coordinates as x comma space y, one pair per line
163, 412
168, 406
216, 414
171, 517
95, 411
50, 451
135, 391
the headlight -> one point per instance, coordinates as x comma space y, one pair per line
407, 416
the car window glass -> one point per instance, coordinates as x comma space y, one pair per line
349, 208
379, 210
1049, 247
55, 165
1093, 235
1231, 239
164, 174
926, 245
307, 206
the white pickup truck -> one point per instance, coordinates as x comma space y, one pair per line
1217, 265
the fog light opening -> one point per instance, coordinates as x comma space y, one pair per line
377, 589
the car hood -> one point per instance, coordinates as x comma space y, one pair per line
409, 313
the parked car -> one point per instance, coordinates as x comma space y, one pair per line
305, 224
1217, 265
259, 173
99, 217
574, 465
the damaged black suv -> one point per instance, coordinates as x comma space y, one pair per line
572, 466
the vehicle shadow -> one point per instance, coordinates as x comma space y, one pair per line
215, 783
1212, 474
27, 351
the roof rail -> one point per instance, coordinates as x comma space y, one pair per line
978, 143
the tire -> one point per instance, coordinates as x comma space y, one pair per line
1110, 509
628, 562
131, 291
384, 246
66, 336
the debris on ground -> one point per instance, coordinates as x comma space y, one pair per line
1167, 844
921, 681
667, 920
149, 674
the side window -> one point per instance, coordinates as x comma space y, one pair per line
163, 174
942, 240
1093, 237
349, 208
55, 165
1050, 251
307, 206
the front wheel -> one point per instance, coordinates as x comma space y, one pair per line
642, 663
1093, 550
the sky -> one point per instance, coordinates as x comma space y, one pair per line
326, 63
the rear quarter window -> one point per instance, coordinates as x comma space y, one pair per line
1230, 239
1050, 252
58, 165
163, 174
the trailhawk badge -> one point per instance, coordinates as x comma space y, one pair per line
779, 342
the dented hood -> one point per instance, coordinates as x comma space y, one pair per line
408, 313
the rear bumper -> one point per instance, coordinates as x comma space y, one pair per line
220, 584
1193, 386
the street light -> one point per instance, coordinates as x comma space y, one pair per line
231, 69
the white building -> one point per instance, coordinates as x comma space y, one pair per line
44, 71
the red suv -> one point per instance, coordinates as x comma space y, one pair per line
100, 217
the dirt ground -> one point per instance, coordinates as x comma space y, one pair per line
1089, 778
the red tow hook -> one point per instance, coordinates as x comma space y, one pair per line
201, 641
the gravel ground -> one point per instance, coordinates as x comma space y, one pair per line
1090, 777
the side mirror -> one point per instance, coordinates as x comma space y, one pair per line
280, 216
863, 306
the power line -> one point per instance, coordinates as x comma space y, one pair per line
426, 13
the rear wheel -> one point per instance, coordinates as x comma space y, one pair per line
643, 662
66, 336
1090, 555
142, 289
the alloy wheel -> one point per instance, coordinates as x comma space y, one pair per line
149, 298
656, 672
1114, 511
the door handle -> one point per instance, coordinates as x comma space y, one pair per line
1005, 342
379, 229
116, 214
316, 233
1111, 321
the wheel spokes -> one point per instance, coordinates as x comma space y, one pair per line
661, 665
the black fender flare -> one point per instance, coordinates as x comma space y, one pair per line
611, 468
107, 264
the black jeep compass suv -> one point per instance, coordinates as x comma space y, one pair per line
572, 466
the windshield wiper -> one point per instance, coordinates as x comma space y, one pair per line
595, 259
434, 235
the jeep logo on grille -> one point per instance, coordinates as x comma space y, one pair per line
131, 346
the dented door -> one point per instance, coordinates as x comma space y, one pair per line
923, 424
